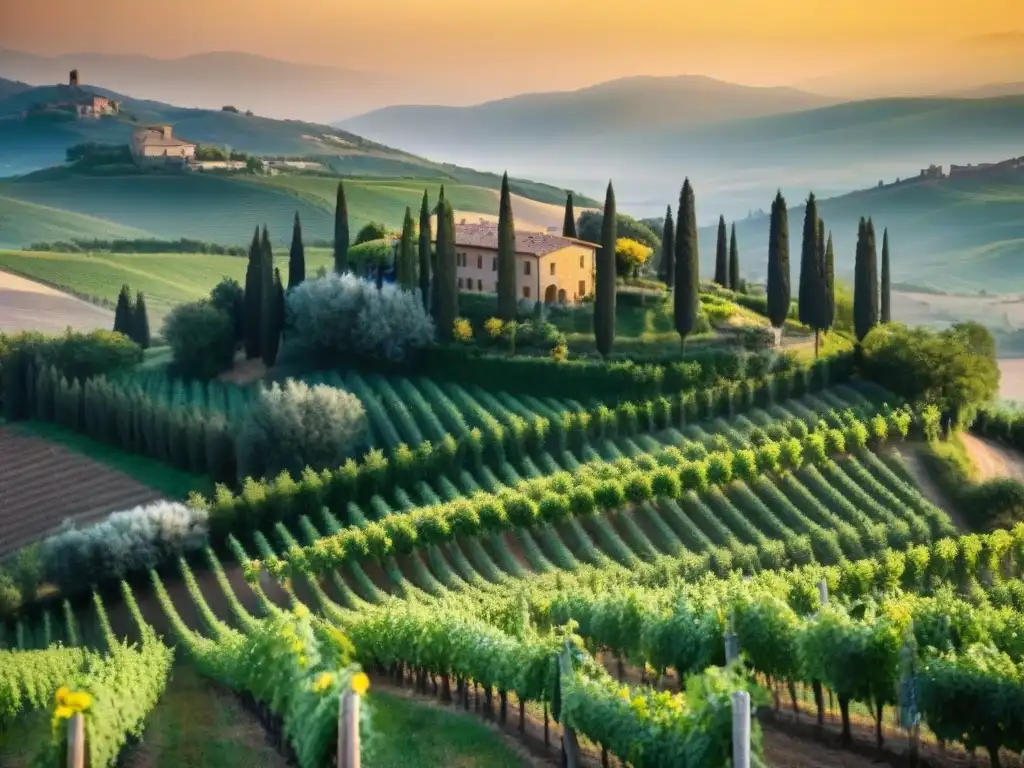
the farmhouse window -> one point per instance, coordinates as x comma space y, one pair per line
479, 262
552, 267
526, 267
526, 291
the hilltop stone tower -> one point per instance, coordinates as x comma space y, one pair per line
73, 78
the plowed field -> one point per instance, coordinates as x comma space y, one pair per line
42, 484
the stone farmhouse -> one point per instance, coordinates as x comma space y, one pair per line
73, 98
157, 145
549, 267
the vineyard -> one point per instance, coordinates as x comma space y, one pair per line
584, 561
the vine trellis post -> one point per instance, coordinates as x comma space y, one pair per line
348, 729
570, 746
741, 729
76, 741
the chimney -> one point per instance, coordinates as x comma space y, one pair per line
165, 131
73, 78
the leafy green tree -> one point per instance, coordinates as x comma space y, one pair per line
123, 312
734, 260
722, 256
604, 288
778, 263
406, 267
591, 223
140, 322
687, 282
507, 302
341, 236
865, 283
201, 338
229, 297
297, 256
268, 326
447, 305
253, 297
667, 267
371, 230
424, 251
569, 224
886, 308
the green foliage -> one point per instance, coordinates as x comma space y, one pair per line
341, 233
667, 264
865, 281
424, 252
734, 261
569, 222
507, 299
296, 256
445, 298
253, 298
591, 224
722, 256
371, 230
289, 428
687, 279
885, 310
123, 312
407, 266
140, 322
202, 340
778, 263
229, 298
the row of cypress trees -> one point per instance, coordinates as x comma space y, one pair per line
264, 297
132, 318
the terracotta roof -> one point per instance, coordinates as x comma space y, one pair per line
153, 137
531, 243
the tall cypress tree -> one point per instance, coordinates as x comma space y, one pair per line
778, 263
296, 256
667, 268
507, 254
275, 320
830, 284
268, 299
734, 260
253, 297
687, 281
405, 269
436, 292
569, 224
722, 256
446, 306
140, 322
886, 308
123, 312
865, 283
424, 251
604, 288
341, 235
811, 287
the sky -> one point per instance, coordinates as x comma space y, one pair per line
521, 45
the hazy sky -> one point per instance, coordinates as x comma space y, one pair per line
522, 44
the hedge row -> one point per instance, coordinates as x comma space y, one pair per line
285, 499
559, 496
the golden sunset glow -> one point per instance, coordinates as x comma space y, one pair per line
527, 44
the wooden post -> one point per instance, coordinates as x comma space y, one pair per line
732, 643
76, 741
348, 730
741, 729
823, 591
570, 746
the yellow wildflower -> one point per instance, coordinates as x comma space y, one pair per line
462, 330
303, 661
323, 681
62, 695
494, 327
301, 611
360, 683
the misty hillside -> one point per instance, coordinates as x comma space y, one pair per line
611, 110
955, 234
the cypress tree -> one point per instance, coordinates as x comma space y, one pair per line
604, 288
424, 251
810, 290
687, 282
253, 297
569, 224
268, 327
778, 263
341, 232
123, 312
865, 283
667, 268
507, 254
140, 322
830, 284
734, 260
886, 308
297, 256
436, 293
275, 324
446, 305
405, 268
722, 256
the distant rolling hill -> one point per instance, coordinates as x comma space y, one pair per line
961, 234
58, 204
614, 109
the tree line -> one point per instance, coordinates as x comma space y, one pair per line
131, 317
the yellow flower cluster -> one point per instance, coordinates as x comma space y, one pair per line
360, 683
70, 703
323, 681
301, 611
494, 327
462, 330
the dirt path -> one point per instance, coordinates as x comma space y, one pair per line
992, 460
26, 305
928, 487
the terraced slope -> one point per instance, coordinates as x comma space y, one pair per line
41, 485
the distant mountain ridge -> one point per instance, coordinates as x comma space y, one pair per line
606, 109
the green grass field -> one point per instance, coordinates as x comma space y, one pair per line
25, 222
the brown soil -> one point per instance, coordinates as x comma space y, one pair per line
42, 484
992, 460
27, 305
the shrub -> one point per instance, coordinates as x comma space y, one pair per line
228, 297
372, 230
341, 315
133, 540
289, 428
202, 339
